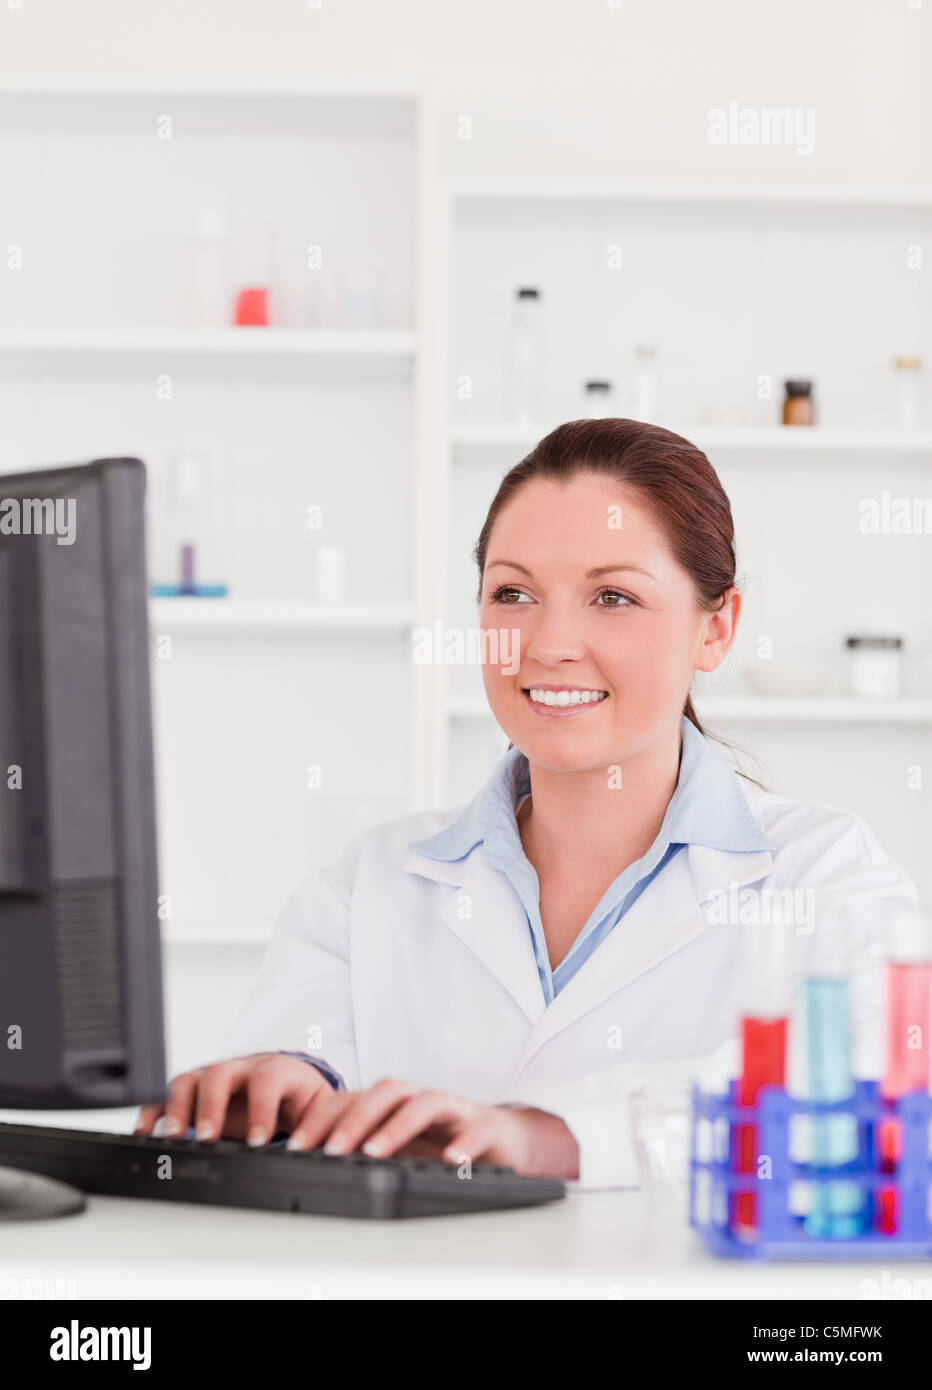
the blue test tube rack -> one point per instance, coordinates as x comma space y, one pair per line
780, 1233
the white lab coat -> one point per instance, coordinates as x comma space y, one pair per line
396, 965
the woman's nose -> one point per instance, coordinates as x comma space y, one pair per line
552, 636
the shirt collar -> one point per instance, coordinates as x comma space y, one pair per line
707, 808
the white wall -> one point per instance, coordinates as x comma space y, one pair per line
553, 86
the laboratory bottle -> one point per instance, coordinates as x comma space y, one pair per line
598, 400
524, 397
646, 395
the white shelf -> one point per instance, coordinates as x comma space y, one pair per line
476, 439
223, 342
813, 709
222, 617
210, 85
763, 709
216, 933
375, 107
805, 440
513, 190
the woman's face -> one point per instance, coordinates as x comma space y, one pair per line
582, 574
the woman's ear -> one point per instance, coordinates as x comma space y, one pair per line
719, 631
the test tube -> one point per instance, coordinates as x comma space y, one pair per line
909, 973
764, 991
825, 1052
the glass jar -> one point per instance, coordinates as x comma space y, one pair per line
907, 392
875, 668
797, 404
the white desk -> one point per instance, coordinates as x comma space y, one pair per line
608, 1245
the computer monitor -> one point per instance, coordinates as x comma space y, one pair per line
80, 956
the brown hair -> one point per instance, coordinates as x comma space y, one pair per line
673, 479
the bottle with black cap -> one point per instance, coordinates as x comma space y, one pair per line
598, 402
524, 404
797, 406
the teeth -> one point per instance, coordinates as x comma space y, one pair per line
567, 697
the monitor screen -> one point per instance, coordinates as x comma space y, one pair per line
80, 955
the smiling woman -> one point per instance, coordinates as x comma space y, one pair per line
650, 500
611, 546
493, 981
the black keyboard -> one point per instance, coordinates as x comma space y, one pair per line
228, 1173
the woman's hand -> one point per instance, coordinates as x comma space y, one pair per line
397, 1116
245, 1098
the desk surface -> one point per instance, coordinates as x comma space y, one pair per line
603, 1245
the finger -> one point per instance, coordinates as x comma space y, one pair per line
472, 1142
357, 1118
412, 1118
273, 1083
319, 1118
147, 1117
179, 1102
213, 1095
423, 1148
368, 1112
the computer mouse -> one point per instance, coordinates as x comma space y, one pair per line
32, 1196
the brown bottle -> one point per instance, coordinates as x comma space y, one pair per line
797, 407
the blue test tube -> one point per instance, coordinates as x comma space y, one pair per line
838, 1209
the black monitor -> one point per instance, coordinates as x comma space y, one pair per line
80, 953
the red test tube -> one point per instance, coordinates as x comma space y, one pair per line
909, 990
765, 995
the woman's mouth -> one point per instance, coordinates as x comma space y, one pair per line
563, 702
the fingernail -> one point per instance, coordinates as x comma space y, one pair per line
204, 1130
256, 1136
336, 1144
173, 1126
372, 1146
295, 1142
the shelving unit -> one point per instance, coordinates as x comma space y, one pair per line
285, 408
553, 233
435, 464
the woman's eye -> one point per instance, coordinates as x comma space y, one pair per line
623, 601
511, 597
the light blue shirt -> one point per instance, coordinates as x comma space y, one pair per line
707, 808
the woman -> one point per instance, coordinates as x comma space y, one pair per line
490, 985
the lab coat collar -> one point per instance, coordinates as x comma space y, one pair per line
726, 848
707, 808
487, 916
